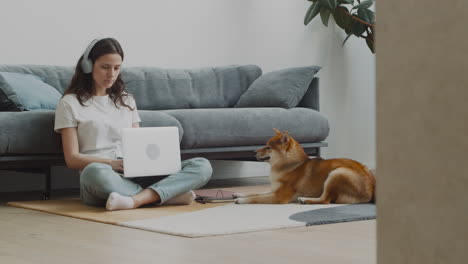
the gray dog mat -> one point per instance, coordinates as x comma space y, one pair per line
346, 213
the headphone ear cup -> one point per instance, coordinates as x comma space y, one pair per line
86, 65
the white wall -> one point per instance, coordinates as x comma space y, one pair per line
187, 33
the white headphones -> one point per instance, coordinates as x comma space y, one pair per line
86, 63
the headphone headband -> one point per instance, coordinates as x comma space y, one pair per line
86, 63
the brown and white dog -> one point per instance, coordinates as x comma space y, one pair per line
295, 177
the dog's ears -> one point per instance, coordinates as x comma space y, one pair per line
285, 137
279, 132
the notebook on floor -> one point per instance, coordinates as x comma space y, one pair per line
213, 196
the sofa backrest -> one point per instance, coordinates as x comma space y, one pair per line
214, 87
161, 89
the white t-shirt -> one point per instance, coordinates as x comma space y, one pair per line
98, 123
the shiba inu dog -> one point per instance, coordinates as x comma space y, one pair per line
295, 177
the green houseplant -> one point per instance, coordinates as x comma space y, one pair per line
353, 16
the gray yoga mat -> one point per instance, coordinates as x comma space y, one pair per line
346, 213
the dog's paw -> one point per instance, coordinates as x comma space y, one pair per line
238, 195
301, 200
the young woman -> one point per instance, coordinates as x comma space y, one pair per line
89, 117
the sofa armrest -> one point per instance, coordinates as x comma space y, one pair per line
311, 97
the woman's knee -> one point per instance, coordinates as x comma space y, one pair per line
204, 168
98, 175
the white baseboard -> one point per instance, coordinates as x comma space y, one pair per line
227, 169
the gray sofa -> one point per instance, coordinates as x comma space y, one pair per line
218, 113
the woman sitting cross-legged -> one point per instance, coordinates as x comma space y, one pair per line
89, 117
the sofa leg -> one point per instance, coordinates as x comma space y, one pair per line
46, 194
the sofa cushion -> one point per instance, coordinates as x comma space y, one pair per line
216, 87
205, 128
6, 104
32, 132
20, 91
58, 77
282, 88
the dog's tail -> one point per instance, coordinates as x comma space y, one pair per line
373, 184
373, 199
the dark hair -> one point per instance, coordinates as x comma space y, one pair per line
82, 83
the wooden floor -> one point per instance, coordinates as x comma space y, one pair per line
28, 236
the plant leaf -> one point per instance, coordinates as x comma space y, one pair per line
358, 29
330, 4
349, 35
349, 2
364, 4
313, 10
340, 16
370, 43
349, 27
348, 22
345, 19
366, 15
325, 16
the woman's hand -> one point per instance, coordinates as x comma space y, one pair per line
117, 165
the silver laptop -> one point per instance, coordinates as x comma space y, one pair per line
150, 151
